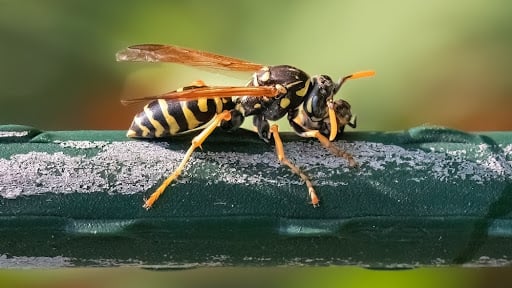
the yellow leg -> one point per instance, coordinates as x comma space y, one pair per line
282, 158
331, 147
196, 142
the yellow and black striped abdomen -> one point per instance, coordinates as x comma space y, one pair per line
162, 118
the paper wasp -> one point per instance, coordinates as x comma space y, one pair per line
272, 93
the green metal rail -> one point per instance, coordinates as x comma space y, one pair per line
424, 197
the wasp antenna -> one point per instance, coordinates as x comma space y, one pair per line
360, 74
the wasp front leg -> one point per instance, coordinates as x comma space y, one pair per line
282, 158
303, 132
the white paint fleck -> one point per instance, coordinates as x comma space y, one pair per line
486, 261
82, 144
17, 262
136, 166
5, 134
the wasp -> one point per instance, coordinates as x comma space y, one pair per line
272, 93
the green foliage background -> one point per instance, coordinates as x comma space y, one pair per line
437, 62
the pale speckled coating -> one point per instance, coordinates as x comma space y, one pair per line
136, 166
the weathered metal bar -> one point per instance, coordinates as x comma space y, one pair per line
422, 197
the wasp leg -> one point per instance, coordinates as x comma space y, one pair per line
330, 146
353, 122
301, 131
262, 126
282, 158
196, 142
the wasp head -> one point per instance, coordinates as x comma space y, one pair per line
320, 106
320, 95
336, 114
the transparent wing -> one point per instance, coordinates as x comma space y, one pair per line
186, 56
210, 92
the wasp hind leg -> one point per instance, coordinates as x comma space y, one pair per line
196, 142
282, 158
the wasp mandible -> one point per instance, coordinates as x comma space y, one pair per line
272, 93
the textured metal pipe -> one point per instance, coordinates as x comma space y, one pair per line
422, 197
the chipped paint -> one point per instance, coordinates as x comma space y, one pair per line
7, 261
82, 144
5, 134
136, 166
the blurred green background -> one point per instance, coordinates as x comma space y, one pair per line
438, 62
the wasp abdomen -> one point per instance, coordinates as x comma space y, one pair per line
162, 118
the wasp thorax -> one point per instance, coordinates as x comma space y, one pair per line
292, 84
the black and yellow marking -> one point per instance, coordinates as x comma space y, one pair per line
301, 92
162, 118
285, 102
